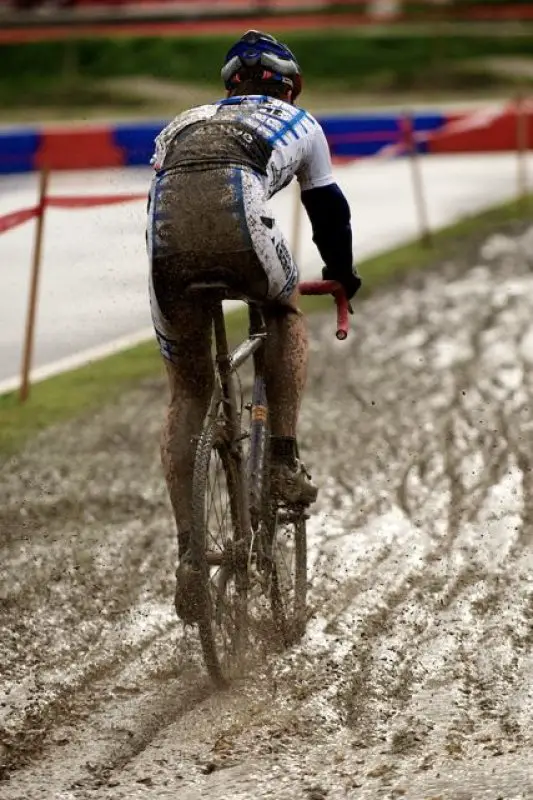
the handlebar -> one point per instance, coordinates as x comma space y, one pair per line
341, 301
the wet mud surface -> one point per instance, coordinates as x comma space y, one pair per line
415, 678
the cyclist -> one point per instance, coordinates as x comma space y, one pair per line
216, 166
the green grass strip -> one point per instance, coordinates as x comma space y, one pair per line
347, 58
74, 393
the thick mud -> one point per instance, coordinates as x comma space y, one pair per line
415, 677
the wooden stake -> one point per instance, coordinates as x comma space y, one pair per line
34, 290
418, 187
296, 223
521, 147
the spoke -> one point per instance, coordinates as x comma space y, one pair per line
221, 491
229, 614
217, 538
225, 600
209, 507
225, 516
214, 494
222, 517
223, 512
284, 564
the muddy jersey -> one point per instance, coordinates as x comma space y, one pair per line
275, 139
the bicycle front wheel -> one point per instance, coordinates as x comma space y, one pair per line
220, 545
285, 542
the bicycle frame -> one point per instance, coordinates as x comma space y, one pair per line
239, 544
228, 362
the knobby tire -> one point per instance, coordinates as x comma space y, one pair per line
217, 620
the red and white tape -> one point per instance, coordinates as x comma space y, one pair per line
478, 119
481, 118
16, 218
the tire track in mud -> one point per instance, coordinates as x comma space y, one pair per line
415, 676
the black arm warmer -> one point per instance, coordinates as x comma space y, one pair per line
329, 214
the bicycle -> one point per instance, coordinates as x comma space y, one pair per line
248, 550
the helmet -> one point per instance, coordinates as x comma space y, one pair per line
257, 49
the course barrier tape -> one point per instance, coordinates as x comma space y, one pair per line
410, 140
16, 218
130, 144
88, 201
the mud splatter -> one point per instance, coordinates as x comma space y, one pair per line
415, 676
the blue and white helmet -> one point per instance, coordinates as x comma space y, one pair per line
257, 49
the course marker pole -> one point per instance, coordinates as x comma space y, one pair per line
418, 187
34, 288
522, 123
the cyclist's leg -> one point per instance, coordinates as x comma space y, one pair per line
185, 341
189, 370
286, 346
285, 374
286, 352
183, 329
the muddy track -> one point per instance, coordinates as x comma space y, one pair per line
415, 678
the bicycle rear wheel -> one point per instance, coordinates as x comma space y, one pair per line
220, 543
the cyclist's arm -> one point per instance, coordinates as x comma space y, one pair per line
329, 214
327, 207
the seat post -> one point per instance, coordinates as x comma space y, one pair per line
221, 339
224, 371
256, 319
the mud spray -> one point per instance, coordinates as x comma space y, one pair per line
415, 677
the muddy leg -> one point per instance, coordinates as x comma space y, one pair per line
190, 376
285, 372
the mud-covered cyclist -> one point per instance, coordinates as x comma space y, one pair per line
216, 167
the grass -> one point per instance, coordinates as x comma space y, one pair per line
78, 391
74, 393
132, 76
78, 92
122, 99
72, 72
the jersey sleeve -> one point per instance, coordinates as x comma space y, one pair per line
315, 170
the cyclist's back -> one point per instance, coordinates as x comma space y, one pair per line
272, 137
222, 162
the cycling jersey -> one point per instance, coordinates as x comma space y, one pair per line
216, 167
274, 138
